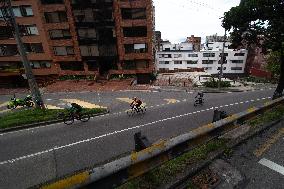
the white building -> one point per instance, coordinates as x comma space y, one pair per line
182, 56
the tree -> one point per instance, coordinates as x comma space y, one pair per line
273, 64
259, 22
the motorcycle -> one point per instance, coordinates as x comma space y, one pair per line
14, 102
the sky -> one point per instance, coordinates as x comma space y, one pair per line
178, 19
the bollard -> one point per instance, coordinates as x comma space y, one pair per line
141, 142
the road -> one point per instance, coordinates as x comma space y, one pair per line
31, 156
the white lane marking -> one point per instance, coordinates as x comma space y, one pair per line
231, 104
229, 92
226, 105
241, 102
272, 165
261, 89
94, 138
252, 100
236, 103
247, 101
258, 99
49, 99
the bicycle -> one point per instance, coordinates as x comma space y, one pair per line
70, 118
198, 101
132, 111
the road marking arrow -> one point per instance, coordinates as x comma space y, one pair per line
171, 101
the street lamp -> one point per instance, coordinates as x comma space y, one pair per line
222, 61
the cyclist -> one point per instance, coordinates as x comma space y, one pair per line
136, 103
199, 97
76, 109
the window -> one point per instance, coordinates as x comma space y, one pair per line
239, 54
92, 65
207, 68
178, 62
60, 34
55, 17
236, 68
208, 54
52, 1
167, 49
23, 11
74, 66
136, 48
177, 55
87, 33
207, 61
191, 62
129, 65
5, 32
8, 50
135, 13
165, 56
192, 55
237, 61
63, 51
28, 30
33, 48
84, 15
219, 68
138, 31
91, 50
225, 54
40, 64
164, 62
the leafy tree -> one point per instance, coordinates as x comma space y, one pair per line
259, 22
273, 63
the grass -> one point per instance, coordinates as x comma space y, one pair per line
13, 119
169, 170
269, 116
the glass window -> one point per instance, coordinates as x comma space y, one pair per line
17, 12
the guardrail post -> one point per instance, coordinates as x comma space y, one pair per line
141, 142
218, 115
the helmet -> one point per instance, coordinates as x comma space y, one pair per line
134, 98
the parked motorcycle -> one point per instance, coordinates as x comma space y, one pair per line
14, 102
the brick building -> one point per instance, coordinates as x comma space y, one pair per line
76, 37
196, 41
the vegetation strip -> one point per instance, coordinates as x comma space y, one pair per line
14, 119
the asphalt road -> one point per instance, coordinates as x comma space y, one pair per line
32, 156
257, 163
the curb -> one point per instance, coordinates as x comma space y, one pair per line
42, 123
202, 164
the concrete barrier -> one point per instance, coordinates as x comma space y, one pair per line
121, 170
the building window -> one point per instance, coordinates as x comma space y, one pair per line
52, 1
191, 62
236, 68
225, 54
63, 51
60, 34
73, 66
55, 17
136, 48
91, 50
177, 55
138, 31
239, 54
164, 62
8, 50
28, 30
23, 11
138, 13
178, 62
87, 33
84, 15
192, 55
40, 64
92, 65
208, 54
6, 32
207, 61
219, 68
237, 61
207, 68
33, 48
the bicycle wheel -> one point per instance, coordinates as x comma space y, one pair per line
130, 112
29, 104
84, 117
68, 120
143, 109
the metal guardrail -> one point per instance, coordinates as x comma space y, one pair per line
121, 170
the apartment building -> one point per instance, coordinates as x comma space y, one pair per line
74, 37
182, 56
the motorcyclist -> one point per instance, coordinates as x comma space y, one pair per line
199, 97
136, 103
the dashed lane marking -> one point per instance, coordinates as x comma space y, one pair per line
171, 101
83, 103
272, 165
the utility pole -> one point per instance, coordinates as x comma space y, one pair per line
222, 61
28, 70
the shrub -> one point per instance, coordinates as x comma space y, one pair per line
212, 83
